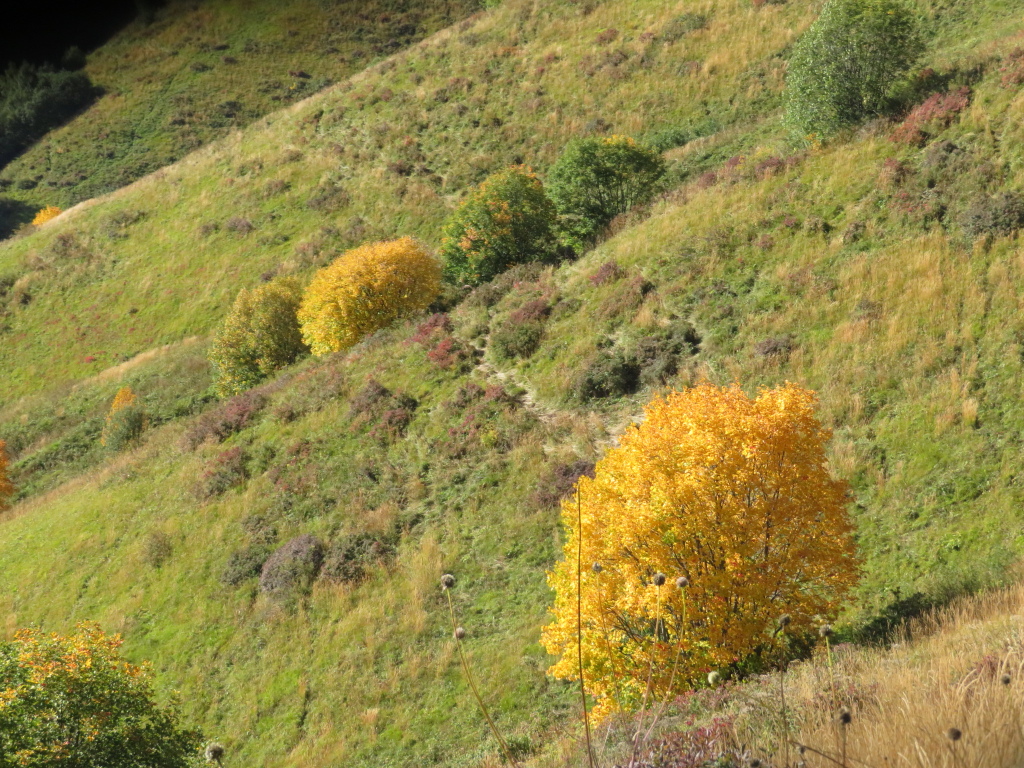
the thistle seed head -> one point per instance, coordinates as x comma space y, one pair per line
447, 581
845, 718
659, 579
825, 630
596, 567
1005, 679
214, 752
460, 633
682, 582
714, 678
954, 734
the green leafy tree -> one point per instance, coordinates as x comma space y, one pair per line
507, 220
846, 65
73, 702
260, 335
596, 179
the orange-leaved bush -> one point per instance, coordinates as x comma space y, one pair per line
367, 289
45, 214
6, 486
125, 421
729, 493
260, 335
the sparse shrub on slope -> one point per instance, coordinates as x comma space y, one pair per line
845, 66
260, 335
74, 701
728, 492
507, 220
367, 289
1000, 215
596, 179
6, 486
293, 567
126, 421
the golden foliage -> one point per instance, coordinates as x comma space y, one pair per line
260, 335
367, 289
6, 486
45, 214
125, 420
731, 493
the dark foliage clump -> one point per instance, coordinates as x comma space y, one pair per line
561, 482
608, 272
293, 567
369, 398
774, 346
658, 354
513, 340
229, 417
610, 375
245, 563
349, 559
227, 470
158, 549
707, 745
999, 215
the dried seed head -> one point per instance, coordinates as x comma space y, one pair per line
659, 579
460, 633
845, 717
214, 752
714, 678
825, 630
682, 582
447, 581
597, 567
1005, 679
954, 734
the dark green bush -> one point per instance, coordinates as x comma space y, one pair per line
293, 567
596, 179
507, 220
609, 375
124, 427
997, 216
245, 563
34, 99
847, 64
514, 340
348, 559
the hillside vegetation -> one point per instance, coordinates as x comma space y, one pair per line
881, 273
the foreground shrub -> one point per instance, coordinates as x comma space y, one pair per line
935, 113
507, 220
245, 563
221, 422
1000, 215
46, 214
125, 423
846, 65
228, 469
260, 335
74, 702
729, 492
364, 290
6, 486
293, 567
596, 179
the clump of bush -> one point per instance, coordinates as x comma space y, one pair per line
513, 340
561, 482
229, 417
1000, 215
245, 563
227, 470
260, 335
610, 374
125, 422
599, 178
848, 63
348, 559
507, 220
935, 112
293, 567
364, 290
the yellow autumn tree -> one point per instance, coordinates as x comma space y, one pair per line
729, 493
6, 486
45, 214
367, 289
125, 420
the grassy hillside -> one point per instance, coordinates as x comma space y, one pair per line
187, 73
863, 268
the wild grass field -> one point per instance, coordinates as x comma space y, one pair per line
862, 268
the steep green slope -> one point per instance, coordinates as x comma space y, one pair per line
191, 72
856, 268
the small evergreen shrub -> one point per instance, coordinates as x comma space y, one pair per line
599, 178
846, 65
125, 422
259, 336
221, 422
293, 567
996, 216
516, 340
364, 290
609, 375
227, 470
245, 563
348, 559
507, 220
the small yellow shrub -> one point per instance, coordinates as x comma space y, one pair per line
367, 289
125, 421
6, 486
732, 494
47, 213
